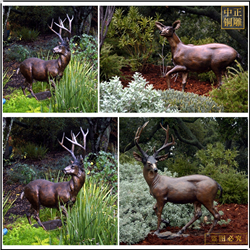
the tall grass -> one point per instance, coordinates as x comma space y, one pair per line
77, 90
93, 218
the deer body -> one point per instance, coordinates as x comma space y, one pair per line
51, 70
55, 195
196, 189
197, 58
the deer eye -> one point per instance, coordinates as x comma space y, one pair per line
73, 166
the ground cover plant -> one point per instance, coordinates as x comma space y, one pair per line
141, 97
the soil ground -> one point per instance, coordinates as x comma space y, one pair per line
153, 76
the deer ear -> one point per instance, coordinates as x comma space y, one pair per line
72, 162
59, 43
162, 157
137, 156
176, 25
159, 25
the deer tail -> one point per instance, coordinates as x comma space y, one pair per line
18, 71
221, 190
22, 195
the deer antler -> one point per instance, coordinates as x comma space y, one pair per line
61, 25
74, 142
136, 139
166, 144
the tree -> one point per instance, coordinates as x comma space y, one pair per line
105, 22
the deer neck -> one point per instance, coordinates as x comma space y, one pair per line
76, 183
151, 177
63, 60
174, 41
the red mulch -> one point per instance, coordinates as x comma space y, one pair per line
233, 233
153, 75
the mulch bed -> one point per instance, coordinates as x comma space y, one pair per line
153, 76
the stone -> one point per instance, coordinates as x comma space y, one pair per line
169, 235
42, 95
50, 225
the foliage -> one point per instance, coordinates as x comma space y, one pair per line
77, 90
33, 151
93, 218
136, 215
6, 77
103, 167
182, 164
17, 52
23, 173
136, 35
16, 102
141, 97
233, 94
26, 34
24, 234
136, 98
110, 64
220, 164
86, 48
7, 203
187, 102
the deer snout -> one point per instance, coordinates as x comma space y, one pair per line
155, 170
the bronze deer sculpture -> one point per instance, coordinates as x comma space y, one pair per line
55, 195
41, 70
196, 189
197, 58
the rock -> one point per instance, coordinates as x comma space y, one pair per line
42, 95
169, 235
50, 225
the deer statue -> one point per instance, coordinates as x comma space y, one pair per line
51, 70
197, 58
55, 195
196, 189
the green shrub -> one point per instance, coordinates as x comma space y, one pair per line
25, 234
103, 167
17, 53
141, 97
27, 34
182, 165
93, 218
136, 98
16, 102
110, 64
32, 151
77, 90
136, 35
220, 164
233, 94
22, 173
86, 48
136, 215
7, 203
190, 102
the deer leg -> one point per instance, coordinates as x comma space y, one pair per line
216, 215
184, 80
158, 210
64, 211
162, 220
36, 217
168, 77
197, 215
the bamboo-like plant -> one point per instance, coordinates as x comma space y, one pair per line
77, 91
93, 218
